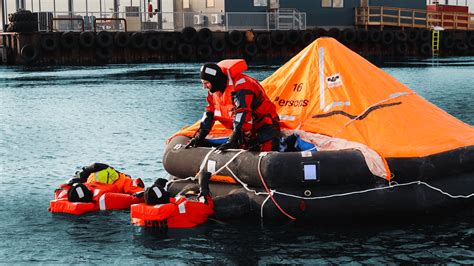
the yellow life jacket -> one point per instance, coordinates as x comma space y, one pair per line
106, 176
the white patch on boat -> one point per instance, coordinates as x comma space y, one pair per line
211, 166
310, 173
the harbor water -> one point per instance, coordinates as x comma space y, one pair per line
55, 120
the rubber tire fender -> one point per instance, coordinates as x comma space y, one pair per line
204, 35
204, 51
49, 42
387, 37
121, 39
264, 41
401, 36
235, 38
334, 33
138, 40
153, 42
412, 35
278, 37
104, 39
292, 37
188, 34
424, 49
218, 45
87, 39
362, 36
185, 51
29, 53
348, 36
307, 37
68, 40
250, 49
375, 36
401, 48
169, 44
424, 35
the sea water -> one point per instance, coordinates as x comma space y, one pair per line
55, 120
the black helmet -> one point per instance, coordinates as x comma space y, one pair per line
156, 194
213, 74
79, 193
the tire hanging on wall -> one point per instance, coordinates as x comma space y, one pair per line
250, 49
425, 49
204, 51
87, 39
412, 35
292, 37
470, 41
153, 42
387, 37
424, 35
138, 40
49, 42
401, 36
68, 40
204, 35
169, 44
348, 36
362, 36
235, 38
121, 39
185, 51
375, 36
278, 37
401, 48
29, 53
218, 45
104, 39
188, 34
307, 37
264, 41
334, 33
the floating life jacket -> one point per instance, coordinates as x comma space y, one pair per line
102, 200
179, 213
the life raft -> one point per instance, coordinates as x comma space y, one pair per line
179, 213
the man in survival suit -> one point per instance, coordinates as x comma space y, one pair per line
99, 178
183, 211
239, 103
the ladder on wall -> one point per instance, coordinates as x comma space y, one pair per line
435, 43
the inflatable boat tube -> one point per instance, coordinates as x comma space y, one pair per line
309, 203
280, 169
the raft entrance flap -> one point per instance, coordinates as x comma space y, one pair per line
311, 171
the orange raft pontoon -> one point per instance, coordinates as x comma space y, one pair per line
378, 146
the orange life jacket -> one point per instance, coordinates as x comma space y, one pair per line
105, 197
262, 110
179, 213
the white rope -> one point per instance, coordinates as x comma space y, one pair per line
263, 204
226, 164
375, 189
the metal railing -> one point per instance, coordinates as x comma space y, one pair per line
172, 21
415, 18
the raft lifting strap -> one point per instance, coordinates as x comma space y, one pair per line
271, 192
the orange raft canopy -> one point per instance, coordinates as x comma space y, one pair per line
336, 99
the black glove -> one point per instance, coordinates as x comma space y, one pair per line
197, 141
74, 180
193, 143
232, 143
138, 194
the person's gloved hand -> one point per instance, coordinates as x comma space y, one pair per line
195, 142
227, 145
73, 180
138, 194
